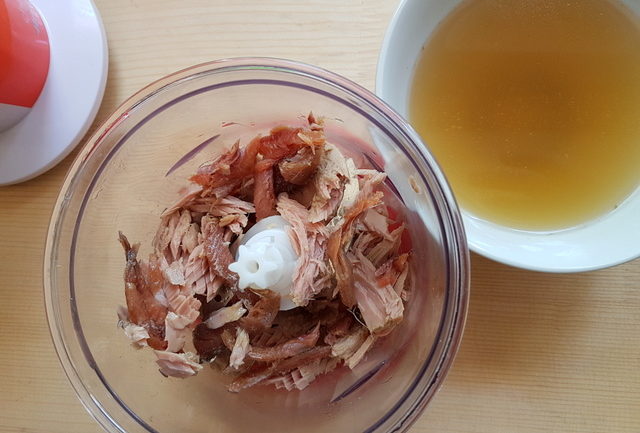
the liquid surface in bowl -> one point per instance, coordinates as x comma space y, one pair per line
533, 107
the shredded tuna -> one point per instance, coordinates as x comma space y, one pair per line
174, 272
303, 358
188, 194
386, 247
216, 250
137, 334
240, 349
233, 165
225, 315
262, 314
176, 332
354, 360
252, 377
348, 284
180, 301
285, 350
302, 166
341, 238
389, 273
345, 347
143, 282
180, 365
381, 307
264, 193
336, 185
301, 377
309, 242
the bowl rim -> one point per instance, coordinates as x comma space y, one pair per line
602, 241
459, 255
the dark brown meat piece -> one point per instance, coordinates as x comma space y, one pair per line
208, 342
262, 313
217, 251
299, 169
142, 283
286, 349
256, 374
264, 198
303, 358
230, 167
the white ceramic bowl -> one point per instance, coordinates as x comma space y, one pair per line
607, 241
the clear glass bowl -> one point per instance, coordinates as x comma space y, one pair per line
132, 168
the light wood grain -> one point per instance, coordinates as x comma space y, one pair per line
541, 353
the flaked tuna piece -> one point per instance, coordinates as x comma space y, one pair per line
287, 349
299, 168
402, 283
390, 271
260, 372
262, 314
232, 211
304, 358
386, 248
184, 222
190, 239
281, 143
176, 236
216, 249
252, 377
340, 241
230, 168
376, 222
179, 365
370, 176
335, 183
176, 332
174, 272
301, 377
309, 242
264, 195
164, 234
284, 142
213, 283
137, 334
143, 291
181, 301
187, 195
199, 277
287, 325
240, 349
225, 315
353, 360
381, 307
346, 346
342, 269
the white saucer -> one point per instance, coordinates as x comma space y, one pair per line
71, 95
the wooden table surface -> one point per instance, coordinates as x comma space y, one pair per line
541, 352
